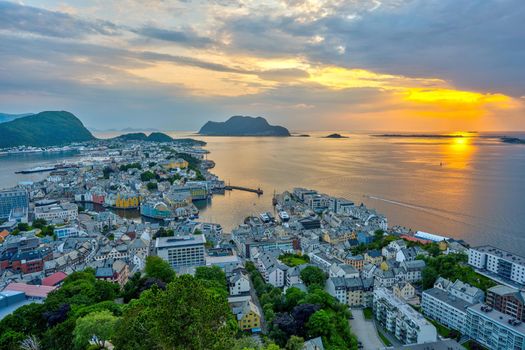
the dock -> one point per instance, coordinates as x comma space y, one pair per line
258, 190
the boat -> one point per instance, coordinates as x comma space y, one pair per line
284, 216
264, 217
38, 169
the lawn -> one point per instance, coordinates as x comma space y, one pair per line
368, 313
294, 259
472, 345
384, 339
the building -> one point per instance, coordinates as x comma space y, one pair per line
55, 279
445, 344
12, 199
350, 291
507, 300
494, 329
448, 310
156, 210
239, 283
314, 344
32, 292
398, 318
66, 232
505, 265
413, 269
248, 315
404, 291
127, 201
182, 251
57, 212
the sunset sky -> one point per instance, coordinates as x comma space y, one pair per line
305, 64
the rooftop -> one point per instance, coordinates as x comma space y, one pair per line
32, 291
488, 249
498, 317
179, 241
449, 299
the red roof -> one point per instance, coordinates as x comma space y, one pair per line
54, 279
32, 291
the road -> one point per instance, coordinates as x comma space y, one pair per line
365, 331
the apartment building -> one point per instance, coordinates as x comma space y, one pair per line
506, 265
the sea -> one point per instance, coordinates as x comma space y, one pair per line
470, 187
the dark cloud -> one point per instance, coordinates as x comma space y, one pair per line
34, 20
185, 37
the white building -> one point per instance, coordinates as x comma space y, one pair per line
448, 310
397, 317
57, 212
494, 329
504, 264
182, 251
239, 283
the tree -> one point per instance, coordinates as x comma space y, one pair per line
97, 326
293, 296
187, 315
295, 343
313, 275
214, 276
319, 324
152, 186
158, 268
147, 176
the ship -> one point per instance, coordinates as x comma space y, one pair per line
38, 169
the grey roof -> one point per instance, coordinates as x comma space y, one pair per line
180, 241
447, 344
498, 317
447, 298
314, 344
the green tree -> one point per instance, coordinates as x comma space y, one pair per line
313, 275
158, 268
97, 326
319, 324
187, 315
152, 186
147, 176
214, 276
295, 343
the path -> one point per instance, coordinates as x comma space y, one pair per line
365, 331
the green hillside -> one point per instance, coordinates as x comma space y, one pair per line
50, 128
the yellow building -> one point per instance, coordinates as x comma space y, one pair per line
127, 201
178, 163
337, 238
248, 315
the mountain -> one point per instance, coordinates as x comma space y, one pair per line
50, 128
140, 136
4, 117
243, 126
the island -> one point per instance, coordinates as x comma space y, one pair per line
49, 128
243, 126
5, 117
512, 140
140, 136
335, 136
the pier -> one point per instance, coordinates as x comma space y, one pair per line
247, 189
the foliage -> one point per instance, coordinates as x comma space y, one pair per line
97, 326
147, 176
158, 268
54, 321
152, 186
162, 232
380, 241
126, 167
313, 275
294, 259
213, 276
384, 339
160, 319
48, 128
452, 267
107, 171
368, 313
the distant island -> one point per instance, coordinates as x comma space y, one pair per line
335, 136
49, 128
5, 117
513, 140
140, 136
243, 126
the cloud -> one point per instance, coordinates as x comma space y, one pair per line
16, 17
185, 37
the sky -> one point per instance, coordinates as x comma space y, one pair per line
399, 65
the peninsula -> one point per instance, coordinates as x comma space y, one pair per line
243, 126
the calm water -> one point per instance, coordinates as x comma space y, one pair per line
469, 188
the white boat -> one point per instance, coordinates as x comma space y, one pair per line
284, 216
264, 217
